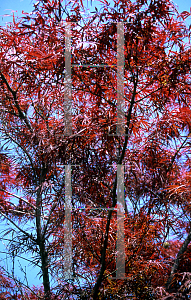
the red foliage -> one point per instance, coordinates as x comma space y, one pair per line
155, 151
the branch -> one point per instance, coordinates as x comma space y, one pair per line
38, 216
21, 283
20, 198
23, 231
149, 94
103, 254
24, 150
187, 240
21, 115
95, 94
177, 260
48, 221
176, 153
32, 262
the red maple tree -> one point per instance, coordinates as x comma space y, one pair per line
155, 149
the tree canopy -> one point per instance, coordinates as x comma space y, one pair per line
87, 101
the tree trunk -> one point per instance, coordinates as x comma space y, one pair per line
43, 252
177, 261
44, 267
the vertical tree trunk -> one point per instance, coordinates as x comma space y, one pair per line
43, 252
177, 261
44, 267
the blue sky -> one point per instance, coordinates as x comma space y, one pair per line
7, 7
17, 6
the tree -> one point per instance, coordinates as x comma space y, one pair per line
155, 149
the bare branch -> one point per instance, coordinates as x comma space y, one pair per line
23, 231
18, 197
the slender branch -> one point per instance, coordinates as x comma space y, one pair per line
24, 150
22, 116
48, 220
8, 86
176, 153
18, 197
149, 94
23, 231
95, 94
32, 262
17, 212
21, 283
